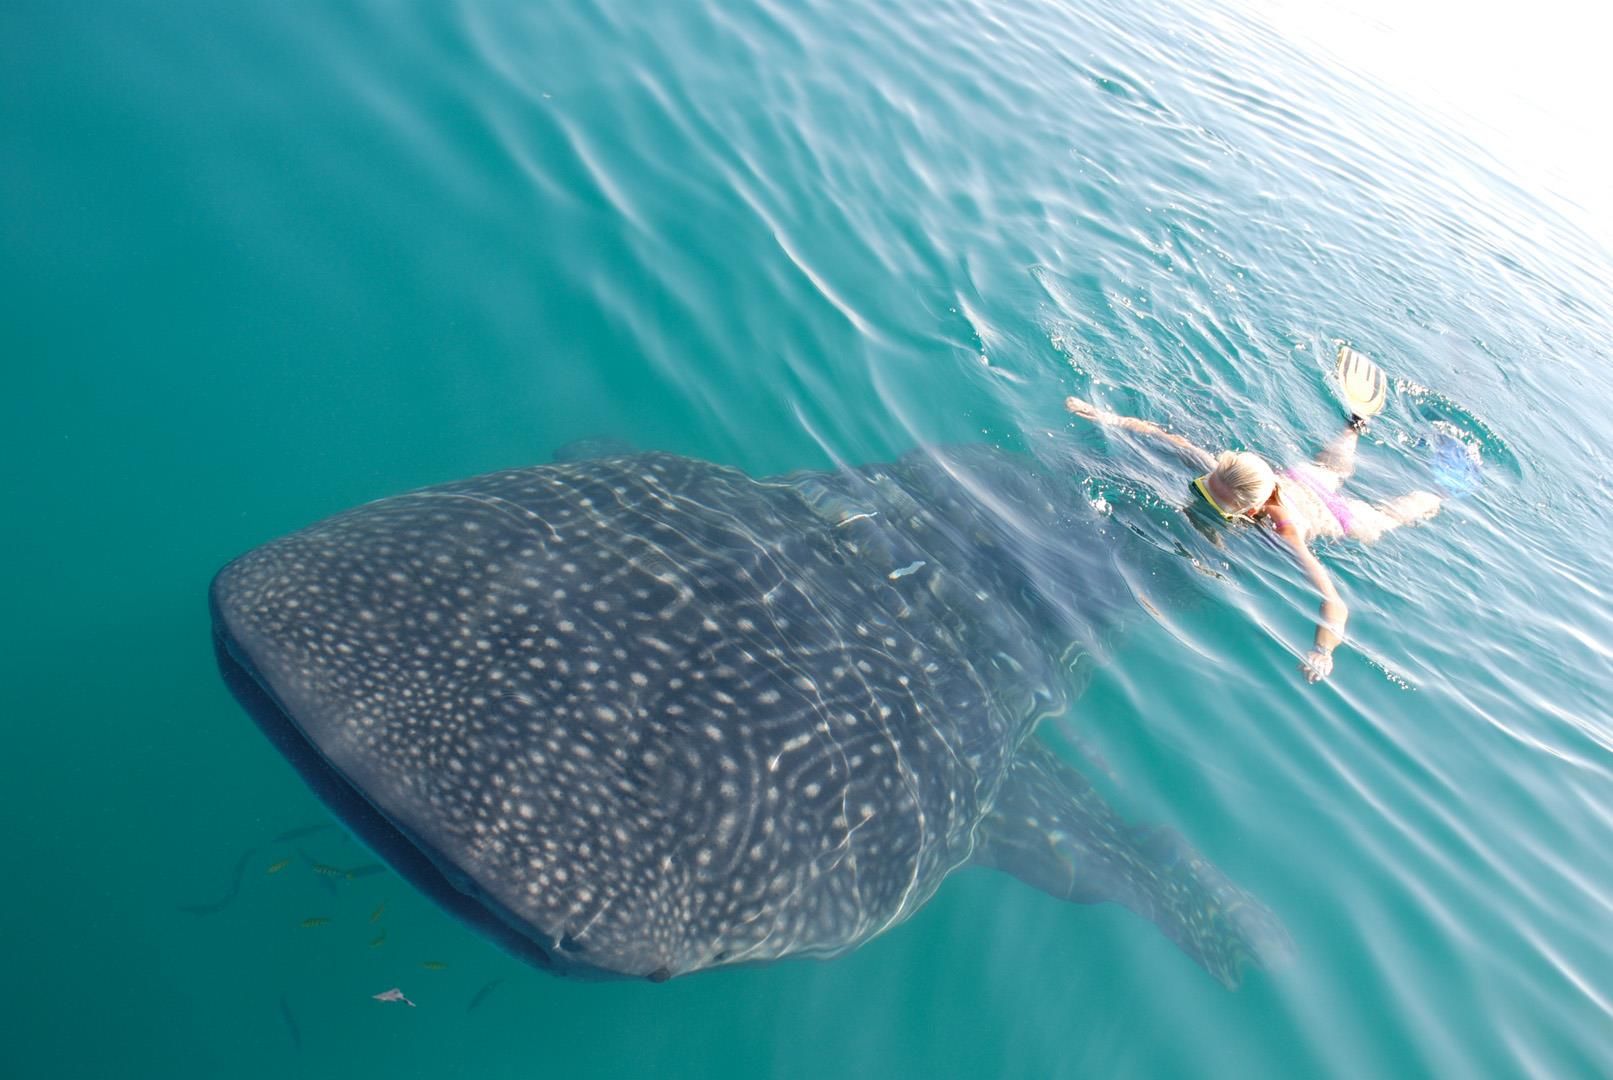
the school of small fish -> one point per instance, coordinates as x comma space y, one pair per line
328, 874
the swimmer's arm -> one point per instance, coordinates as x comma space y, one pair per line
1335, 613
1195, 455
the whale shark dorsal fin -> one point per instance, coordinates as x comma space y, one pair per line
1052, 829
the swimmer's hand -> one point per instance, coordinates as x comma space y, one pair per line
1318, 665
1195, 456
1084, 409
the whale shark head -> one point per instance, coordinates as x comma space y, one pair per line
616, 732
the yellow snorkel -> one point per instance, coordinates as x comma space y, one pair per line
1204, 489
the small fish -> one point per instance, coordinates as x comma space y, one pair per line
910, 568
276, 867
393, 994
375, 942
482, 994
367, 870
300, 832
326, 873
433, 965
313, 921
375, 916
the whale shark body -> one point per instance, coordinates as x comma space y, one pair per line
641, 715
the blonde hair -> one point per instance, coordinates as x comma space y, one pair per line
1247, 479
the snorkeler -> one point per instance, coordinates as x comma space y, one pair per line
1304, 502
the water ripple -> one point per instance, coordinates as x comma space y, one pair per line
280, 261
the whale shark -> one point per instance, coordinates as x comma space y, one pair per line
632, 714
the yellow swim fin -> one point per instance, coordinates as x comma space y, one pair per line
1363, 385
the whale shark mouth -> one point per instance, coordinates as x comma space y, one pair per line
417, 861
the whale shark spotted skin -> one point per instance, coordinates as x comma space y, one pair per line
642, 715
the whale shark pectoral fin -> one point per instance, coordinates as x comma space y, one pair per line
1051, 829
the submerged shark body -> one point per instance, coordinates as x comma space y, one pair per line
642, 715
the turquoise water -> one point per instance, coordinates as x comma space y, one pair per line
265, 262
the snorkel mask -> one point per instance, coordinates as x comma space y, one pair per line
1203, 485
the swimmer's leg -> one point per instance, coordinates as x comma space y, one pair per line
1368, 522
1339, 455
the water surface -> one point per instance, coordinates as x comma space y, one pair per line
265, 262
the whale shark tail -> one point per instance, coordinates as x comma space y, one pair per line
1051, 829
